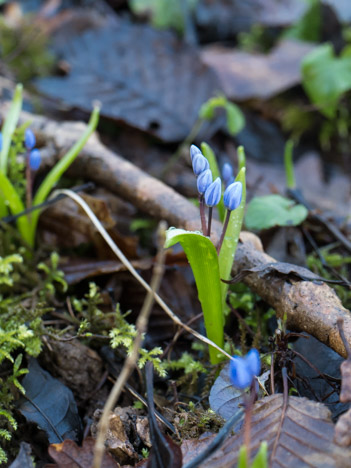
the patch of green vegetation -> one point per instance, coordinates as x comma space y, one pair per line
163, 13
25, 49
334, 260
308, 28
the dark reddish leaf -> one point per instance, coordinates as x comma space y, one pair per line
245, 76
145, 78
191, 448
70, 455
298, 436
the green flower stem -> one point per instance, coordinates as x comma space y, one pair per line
56, 172
224, 230
289, 165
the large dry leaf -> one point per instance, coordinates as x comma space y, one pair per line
299, 436
230, 17
144, 78
245, 76
70, 455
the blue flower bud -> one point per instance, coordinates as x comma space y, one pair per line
213, 193
204, 180
0, 141
194, 150
200, 164
253, 361
243, 370
29, 139
227, 174
233, 195
34, 159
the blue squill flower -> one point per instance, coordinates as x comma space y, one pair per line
194, 150
213, 193
227, 174
29, 139
233, 195
200, 164
204, 180
34, 159
242, 370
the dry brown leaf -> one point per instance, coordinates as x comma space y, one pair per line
69, 455
345, 393
342, 435
245, 76
299, 436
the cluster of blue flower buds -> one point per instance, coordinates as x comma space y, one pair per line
242, 370
33, 156
212, 190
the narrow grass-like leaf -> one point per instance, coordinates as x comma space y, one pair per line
230, 242
9, 196
208, 152
202, 256
289, 165
10, 126
56, 172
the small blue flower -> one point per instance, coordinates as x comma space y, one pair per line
204, 180
29, 139
213, 193
194, 150
243, 369
227, 174
233, 195
34, 159
200, 164
0, 141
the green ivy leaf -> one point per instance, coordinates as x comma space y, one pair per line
273, 210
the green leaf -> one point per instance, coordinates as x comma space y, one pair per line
273, 210
235, 118
261, 459
202, 256
326, 78
10, 126
56, 172
230, 241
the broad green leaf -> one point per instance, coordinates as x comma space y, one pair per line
273, 210
326, 78
235, 118
202, 256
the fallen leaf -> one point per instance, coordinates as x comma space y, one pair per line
224, 398
300, 435
70, 455
24, 458
49, 404
145, 78
245, 76
232, 17
342, 434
